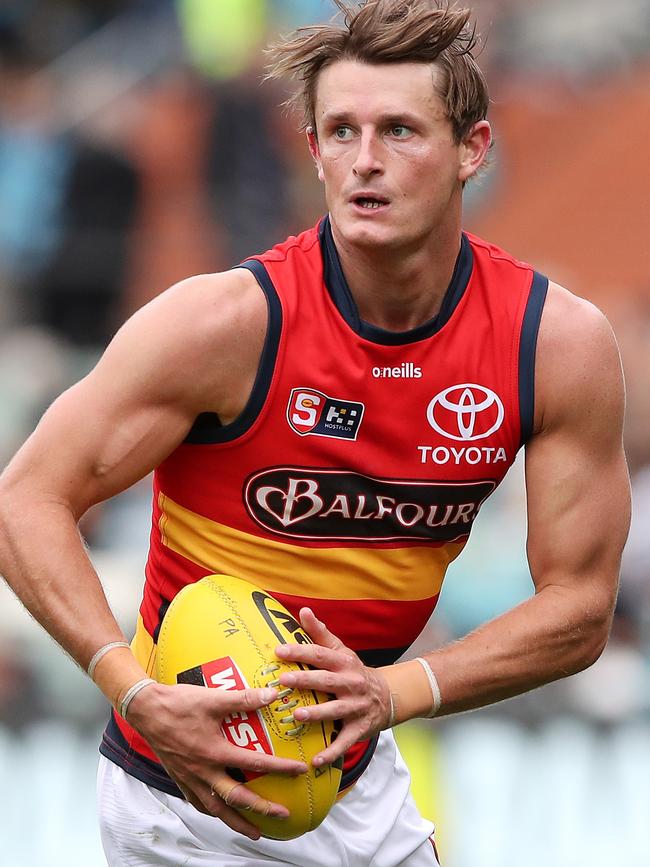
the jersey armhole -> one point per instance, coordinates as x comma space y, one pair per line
208, 429
527, 350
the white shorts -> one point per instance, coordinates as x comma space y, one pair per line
375, 825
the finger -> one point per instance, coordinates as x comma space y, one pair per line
233, 819
259, 763
347, 737
317, 631
315, 655
237, 796
340, 683
191, 798
331, 710
228, 701
212, 805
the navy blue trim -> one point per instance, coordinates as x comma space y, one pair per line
162, 610
352, 774
114, 747
342, 297
377, 658
208, 428
527, 349
204, 428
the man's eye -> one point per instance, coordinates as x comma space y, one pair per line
342, 133
400, 131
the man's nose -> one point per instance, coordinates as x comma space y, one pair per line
368, 160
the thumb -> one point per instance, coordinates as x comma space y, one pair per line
317, 631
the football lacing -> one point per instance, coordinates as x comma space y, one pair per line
283, 693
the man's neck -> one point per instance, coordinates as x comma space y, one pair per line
401, 288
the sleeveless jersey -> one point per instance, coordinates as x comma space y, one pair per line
355, 472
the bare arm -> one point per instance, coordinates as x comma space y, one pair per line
578, 517
193, 349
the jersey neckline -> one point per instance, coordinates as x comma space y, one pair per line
340, 293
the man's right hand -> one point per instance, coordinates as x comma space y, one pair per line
182, 724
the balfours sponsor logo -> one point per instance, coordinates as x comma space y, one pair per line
466, 412
406, 370
312, 412
341, 504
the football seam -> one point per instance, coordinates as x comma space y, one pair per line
230, 603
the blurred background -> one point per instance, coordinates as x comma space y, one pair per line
137, 147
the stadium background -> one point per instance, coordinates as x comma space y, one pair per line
137, 147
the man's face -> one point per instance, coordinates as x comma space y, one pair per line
385, 151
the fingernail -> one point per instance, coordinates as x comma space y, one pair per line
280, 814
301, 713
281, 650
267, 695
317, 761
288, 679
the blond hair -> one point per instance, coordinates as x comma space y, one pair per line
390, 31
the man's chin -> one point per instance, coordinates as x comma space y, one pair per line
355, 234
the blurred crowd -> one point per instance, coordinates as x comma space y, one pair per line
137, 147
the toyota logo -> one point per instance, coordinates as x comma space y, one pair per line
466, 412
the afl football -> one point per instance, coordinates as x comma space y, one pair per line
221, 633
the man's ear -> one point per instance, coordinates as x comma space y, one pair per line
474, 149
314, 150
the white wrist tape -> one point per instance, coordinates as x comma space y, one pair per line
131, 693
393, 711
435, 689
92, 665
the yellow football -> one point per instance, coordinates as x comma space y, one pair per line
221, 632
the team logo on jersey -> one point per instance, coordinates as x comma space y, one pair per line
312, 412
466, 412
310, 503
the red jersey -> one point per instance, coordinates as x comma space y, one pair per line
355, 472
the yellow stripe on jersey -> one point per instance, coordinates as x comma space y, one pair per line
403, 574
143, 647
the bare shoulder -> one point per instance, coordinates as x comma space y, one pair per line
212, 303
578, 368
203, 337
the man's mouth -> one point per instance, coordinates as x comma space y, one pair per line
369, 202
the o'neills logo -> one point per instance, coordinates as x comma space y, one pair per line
341, 504
406, 370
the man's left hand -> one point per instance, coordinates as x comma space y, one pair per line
362, 697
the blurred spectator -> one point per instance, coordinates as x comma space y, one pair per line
67, 205
247, 172
78, 292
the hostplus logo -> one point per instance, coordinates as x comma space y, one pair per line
312, 412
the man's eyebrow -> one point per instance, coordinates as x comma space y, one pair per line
336, 116
396, 118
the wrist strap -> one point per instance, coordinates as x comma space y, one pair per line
435, 689
131, 693
92, 665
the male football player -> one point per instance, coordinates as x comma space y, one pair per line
326, 421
